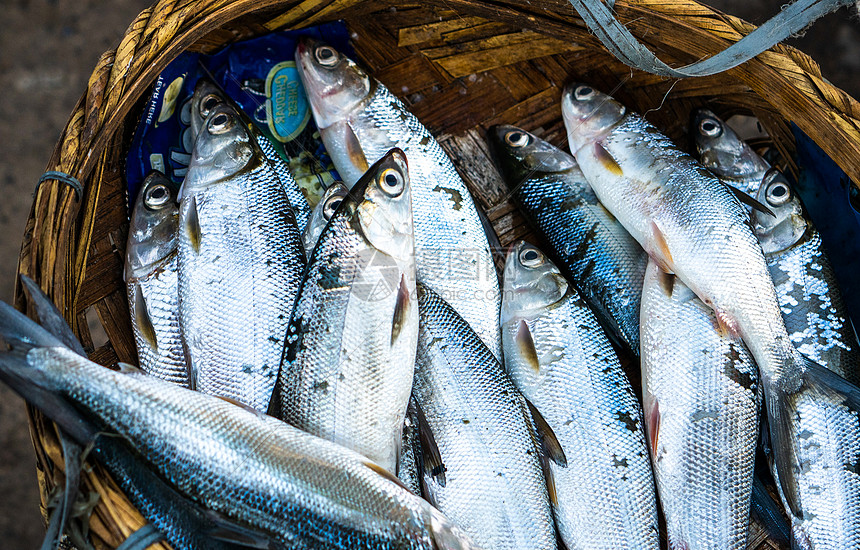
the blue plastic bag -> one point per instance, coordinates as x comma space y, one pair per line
260, 76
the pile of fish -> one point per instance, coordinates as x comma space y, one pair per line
353, 375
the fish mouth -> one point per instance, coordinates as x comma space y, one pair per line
302, 47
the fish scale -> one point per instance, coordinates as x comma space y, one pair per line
830, 484
812, 306
239, 274
701, 399
494, 488
159, 290
602, 260
298, 202
453, 255
605, 492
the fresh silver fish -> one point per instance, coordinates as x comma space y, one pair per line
691, 225
700, 392
264, 483
489, 479
151, 280
350, 351
206, 96
809, 297
321, 215
601, 486
722, 152
240, 263
359, 121
601, 258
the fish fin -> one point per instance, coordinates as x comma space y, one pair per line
19, 330
768, 513
385, 473
652, 420
50, 317
667, 282
726, 327
401, 309
749, 201
128, 368
142, 318
782, 446
354, 149
551, 489
606, 160
430, 462
241, 405
548, 440
225, 529
192, 224
526, 346
660, 252
829, 382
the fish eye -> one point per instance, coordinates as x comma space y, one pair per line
710, 127
778, 193
157, 196
583, 93
331, 206
208, 103
220, 123
326, 56
531, 257
392, 182
515, 138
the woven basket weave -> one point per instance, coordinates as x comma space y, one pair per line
460, 65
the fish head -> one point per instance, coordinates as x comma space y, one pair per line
206, 96
531, 282
335, 84
520, 154
721, 150
152, 230
588, 114
787, 226
323, 212
223, 149
384, 209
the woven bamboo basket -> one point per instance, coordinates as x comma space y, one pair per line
461, 65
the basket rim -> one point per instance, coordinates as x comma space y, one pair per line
57, 237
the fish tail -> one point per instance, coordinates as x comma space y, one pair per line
22, 334
819, 384
769, 513
50, 317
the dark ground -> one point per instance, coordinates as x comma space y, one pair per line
47, 51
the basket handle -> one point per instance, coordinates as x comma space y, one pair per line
626, 48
